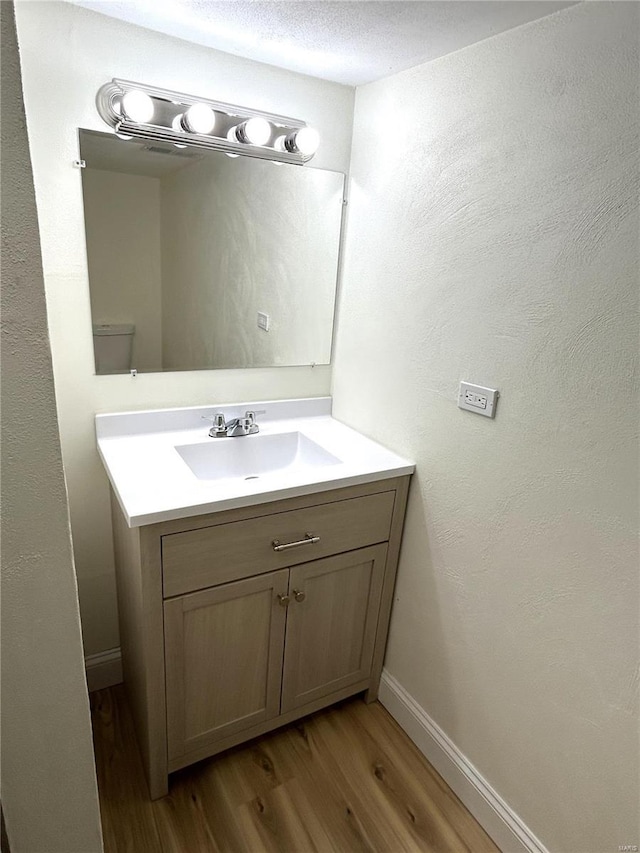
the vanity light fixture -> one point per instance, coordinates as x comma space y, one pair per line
135, 110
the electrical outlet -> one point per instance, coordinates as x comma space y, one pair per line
263, 321
478, 401
475, 398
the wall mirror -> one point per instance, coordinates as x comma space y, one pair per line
201, 260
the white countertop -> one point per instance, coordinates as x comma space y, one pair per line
153, 483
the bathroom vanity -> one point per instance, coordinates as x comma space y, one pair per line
267, 600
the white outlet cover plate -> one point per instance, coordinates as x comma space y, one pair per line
478, 399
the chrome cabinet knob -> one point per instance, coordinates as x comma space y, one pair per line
283, 600
299, 595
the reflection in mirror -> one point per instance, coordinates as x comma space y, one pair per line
201, 260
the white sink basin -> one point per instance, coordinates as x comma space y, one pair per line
163, 466
254, 456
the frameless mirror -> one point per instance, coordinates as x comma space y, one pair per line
199, 260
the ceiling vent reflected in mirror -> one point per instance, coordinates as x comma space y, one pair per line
135, 110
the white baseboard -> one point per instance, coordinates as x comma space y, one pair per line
497, 818
103, 669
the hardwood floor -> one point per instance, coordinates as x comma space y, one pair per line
345, 779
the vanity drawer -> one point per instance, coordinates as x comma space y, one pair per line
200, 558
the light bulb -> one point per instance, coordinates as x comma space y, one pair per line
255, 131
307, 140
199, 118
304, 141
176, 124
137, 106
232, 137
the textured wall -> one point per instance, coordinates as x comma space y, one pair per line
46, 732
493, 237
67, 54
122, 220
219, 270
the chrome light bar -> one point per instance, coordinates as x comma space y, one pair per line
148, 112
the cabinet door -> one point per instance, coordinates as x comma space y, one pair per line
331, 631
223, 651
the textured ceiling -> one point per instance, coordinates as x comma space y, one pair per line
348, 42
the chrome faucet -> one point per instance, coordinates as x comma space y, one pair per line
236, 427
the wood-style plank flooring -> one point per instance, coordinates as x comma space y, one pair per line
345, 779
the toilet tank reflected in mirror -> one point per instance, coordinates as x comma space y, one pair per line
113, 345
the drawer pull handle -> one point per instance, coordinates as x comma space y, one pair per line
299, 595
308, 540
283, 600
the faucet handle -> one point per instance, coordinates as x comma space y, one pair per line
219, 426
252, 415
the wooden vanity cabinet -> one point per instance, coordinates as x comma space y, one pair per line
224, 637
